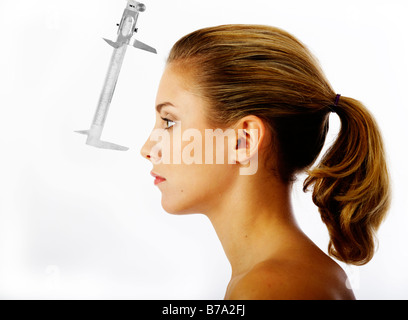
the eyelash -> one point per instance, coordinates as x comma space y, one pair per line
167, 120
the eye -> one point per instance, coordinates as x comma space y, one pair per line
167, 120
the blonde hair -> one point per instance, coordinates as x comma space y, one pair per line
265, 71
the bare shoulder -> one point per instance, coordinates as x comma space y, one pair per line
290, 280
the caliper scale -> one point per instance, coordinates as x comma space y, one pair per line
127, 28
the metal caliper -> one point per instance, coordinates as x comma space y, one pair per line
127, 28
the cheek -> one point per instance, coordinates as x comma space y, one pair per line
194, 188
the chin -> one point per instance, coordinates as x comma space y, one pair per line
178, 207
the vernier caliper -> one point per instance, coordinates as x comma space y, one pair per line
127, 28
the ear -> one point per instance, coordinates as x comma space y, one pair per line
250, 134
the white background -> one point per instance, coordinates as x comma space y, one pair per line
80, 222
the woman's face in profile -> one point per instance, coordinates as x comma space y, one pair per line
192, 185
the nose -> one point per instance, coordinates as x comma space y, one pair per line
145, 150
148, 149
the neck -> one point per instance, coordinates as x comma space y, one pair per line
253, 224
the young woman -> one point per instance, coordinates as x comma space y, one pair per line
265, 85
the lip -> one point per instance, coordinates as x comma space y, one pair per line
158, 179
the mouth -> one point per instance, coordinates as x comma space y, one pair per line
158, 179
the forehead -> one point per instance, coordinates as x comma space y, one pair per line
173, 79
176, 87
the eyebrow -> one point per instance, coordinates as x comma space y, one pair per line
161, 105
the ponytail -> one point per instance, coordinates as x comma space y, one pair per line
351, 185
